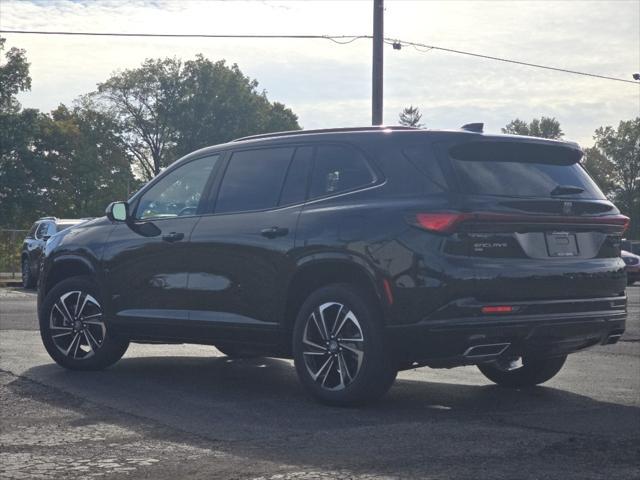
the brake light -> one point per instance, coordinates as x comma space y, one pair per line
498, 309
447, 222
443, 222
626, 222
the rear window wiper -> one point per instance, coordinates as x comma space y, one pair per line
566, 190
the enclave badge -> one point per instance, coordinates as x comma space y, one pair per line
566, 207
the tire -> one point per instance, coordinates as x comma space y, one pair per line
353, 339
237, 351
533, 371
28, 280
80, 329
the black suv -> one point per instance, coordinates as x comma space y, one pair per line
33, 246
357, 252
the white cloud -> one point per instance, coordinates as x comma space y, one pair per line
328, 84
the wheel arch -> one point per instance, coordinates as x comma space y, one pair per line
316, 273
67, 266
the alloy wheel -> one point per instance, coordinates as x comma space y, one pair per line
76, 325
333, 346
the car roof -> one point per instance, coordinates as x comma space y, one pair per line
470, 131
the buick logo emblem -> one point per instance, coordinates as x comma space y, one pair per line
566, 207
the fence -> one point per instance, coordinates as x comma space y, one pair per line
10, 245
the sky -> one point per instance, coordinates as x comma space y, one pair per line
329, 85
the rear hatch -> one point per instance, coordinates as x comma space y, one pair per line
532, 222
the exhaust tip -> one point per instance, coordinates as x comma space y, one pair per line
487, 350
611, 339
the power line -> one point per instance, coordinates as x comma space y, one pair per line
335, 38
339, 39
507, 60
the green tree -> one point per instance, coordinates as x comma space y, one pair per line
601, 169
219, 103
544, 127
167, 108
89, 163
14, 78
144, 100
410, 117
20, 175
620, 148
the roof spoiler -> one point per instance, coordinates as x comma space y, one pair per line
473, 127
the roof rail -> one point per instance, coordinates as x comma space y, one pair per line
473, 127
374, 128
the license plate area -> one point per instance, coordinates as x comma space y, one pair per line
561, 244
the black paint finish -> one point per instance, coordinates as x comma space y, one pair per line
209, 277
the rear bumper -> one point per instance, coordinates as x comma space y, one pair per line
476, 339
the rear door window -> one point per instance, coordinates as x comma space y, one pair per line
253, 180
522, 170
339, 169
296, 182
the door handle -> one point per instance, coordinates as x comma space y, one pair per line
173, 237
273, 232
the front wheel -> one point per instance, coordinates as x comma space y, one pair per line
28, 280
73, 327
339, 350
526, 372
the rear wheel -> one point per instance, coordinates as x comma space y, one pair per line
73, 327
28, 280
525, 372
339, 351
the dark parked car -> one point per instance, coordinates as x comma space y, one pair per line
33, 246
356, 252
632, 263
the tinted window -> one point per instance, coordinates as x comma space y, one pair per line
338, 169
422, 157
43, 229
32, 232
295, 184
179, 192
521, 170
253, 180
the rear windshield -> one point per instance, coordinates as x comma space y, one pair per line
522, 170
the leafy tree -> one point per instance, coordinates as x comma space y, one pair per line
167, 108
89, 163
69, 163
544, 127
19, 175
620, 154
144, 100
601, 169
14, 78
410, 117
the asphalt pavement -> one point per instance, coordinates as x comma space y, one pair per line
186, 411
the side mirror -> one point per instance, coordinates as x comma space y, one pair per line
118, 211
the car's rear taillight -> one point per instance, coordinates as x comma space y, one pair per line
443, 222
448, 222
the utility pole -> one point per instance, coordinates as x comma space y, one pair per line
376, 74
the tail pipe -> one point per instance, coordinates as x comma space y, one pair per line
486, 351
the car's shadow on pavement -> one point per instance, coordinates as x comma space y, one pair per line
257, 408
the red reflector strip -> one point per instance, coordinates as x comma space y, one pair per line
497, 309
387, 291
